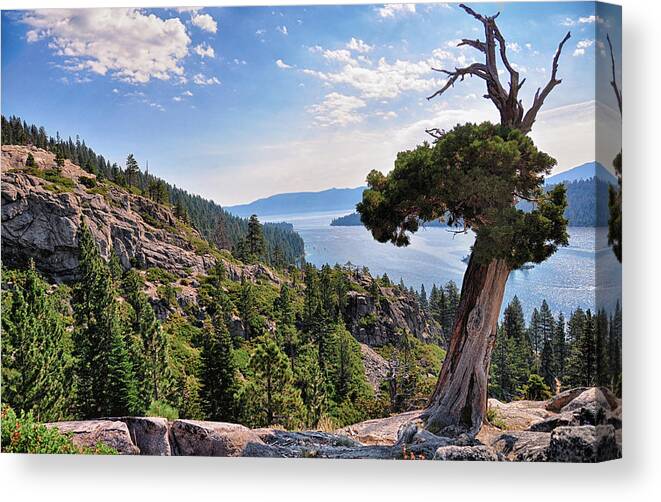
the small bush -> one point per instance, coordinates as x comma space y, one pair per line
23, 435
535, 389
162, 409
87, 181
494, 418
157, 274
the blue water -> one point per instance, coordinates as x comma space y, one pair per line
567, 280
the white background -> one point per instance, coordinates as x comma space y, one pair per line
636, 477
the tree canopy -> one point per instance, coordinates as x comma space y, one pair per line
472, 176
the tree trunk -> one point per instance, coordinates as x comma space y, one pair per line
458, 404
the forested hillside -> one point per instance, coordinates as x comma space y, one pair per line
214, 223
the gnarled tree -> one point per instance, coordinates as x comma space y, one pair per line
473, 176
615, 196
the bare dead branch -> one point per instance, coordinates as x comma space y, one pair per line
435, 132
494, 47
618, 94
538, 101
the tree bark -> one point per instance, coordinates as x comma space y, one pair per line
459, 402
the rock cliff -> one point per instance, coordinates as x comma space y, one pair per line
42, 212
589, 432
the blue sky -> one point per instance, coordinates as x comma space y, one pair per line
241, 103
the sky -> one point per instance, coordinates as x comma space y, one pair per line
236, 104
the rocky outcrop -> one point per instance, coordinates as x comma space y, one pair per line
213, 439
89, 433
41, 221
379, 321
397, 437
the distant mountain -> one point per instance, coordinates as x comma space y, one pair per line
333, 199
583, 172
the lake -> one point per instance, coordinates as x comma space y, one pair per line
567, 280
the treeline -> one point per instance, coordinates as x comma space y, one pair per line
552, 353
226, 231
96, 348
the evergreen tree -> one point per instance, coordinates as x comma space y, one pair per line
132, 170
452, 298
149, 354
29, 162
255, 240
270, 398
36, 348
580, 362
559, 348
601, 359
424, 303
615, 350
105, 381
248, 309
219, 375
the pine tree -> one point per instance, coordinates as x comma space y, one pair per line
219, 374
519, 348
424, 303
270, 398
559, 348
132, 170
36, 348
615, 350
286, 328
254, 242
248, 309
29, 162
105, 381
601, 360
452, 298
149, 354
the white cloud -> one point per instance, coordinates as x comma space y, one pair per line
204, 51
513, 46
239, 61
386, 115
382, 80
315, 48
187, 93
282, 29
115, 91
260, 33
452, 44
587, 20
581, 46
396, 9
357, 45
337, 109
200, 79
204, 22
177, 98
339, 55
281, 64
125, 43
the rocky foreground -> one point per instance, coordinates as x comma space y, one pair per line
578, 425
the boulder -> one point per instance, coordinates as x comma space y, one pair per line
149, 434
522, 446
560, 420
519, 415
213, 439
470, 453
88, 433
591, 398
585, 443
559, 401
380, 431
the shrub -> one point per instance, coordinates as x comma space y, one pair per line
535, 389
494, 418
162, 409
87, 181
23, 435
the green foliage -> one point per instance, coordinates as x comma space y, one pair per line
218, 375
162, 409
535, 389
22, 434
615, 210
36, 347
495, 419
105, 377
29, 161
474, 175
87, 182
270, 398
